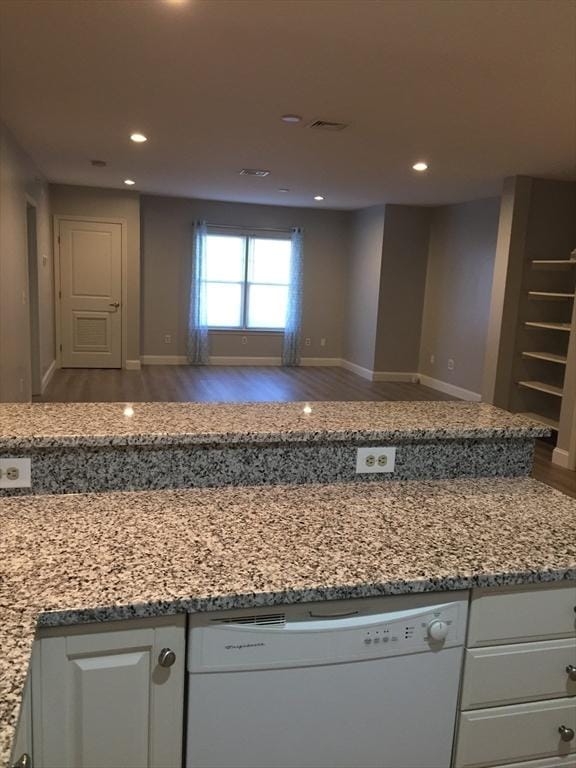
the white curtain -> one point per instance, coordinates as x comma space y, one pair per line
292, 330
197, 320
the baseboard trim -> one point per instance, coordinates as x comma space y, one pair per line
132, 365
164, 359
391, 376
366, 373
321, 362
47, 378
561, 458
371, 375
238, 360
450, 389
241, 360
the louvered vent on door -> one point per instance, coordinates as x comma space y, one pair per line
90, 332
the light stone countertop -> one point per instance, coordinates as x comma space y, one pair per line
44, 425
98, 557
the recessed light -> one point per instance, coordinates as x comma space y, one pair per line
291, 119
420, 166
283, 189
129, 182
318, 197
128, 411
138, 138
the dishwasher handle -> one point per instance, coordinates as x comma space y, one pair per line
333, 615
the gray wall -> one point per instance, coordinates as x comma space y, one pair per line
19, 178
166, 250
94, 202
458, 290
363, 286
402, 283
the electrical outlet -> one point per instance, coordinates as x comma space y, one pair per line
307, 341
432, 359
372, 460
244, 340
167, 338
322, 342
450, 364
15, 473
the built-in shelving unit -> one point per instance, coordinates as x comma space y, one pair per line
549, 287
549, 326
553, 263
542, 386
550, 295
550, 357
544, 420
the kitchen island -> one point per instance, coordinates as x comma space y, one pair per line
73, 559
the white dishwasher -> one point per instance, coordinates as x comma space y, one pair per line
369, 683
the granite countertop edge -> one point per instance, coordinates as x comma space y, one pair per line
189, 605
8, 442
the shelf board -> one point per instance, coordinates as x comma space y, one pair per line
550, 295
550, 326
553, 263
544, 420
551, 357
541, 386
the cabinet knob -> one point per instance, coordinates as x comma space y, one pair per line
566, 734
24, 761
571, 671
167, 657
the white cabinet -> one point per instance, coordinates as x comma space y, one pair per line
22, 746
518, 696
102, 697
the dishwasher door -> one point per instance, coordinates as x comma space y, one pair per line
365, 692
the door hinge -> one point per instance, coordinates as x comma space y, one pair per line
59, 294
58, 239
60, 347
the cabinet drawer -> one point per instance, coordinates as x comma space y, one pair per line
506, 734
506, 674
514, 615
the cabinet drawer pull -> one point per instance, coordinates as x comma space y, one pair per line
167, 657
566, 734
571, 671
24, 761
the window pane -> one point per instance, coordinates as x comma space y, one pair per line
267, 306
269, 261
224, 305
225, 258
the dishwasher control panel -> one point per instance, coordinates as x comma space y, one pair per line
326, 639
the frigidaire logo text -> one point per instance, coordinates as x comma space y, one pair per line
240, 646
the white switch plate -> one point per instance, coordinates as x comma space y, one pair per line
372, 460
23, 469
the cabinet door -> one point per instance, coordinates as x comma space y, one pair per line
102, 700
23, 740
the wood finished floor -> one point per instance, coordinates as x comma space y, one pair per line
270, 384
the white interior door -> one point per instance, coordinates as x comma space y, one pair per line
91, 294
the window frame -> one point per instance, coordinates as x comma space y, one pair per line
247, 235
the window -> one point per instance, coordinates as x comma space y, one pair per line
247, 280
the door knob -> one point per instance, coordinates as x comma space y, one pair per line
571, 671
566, 734
167, 657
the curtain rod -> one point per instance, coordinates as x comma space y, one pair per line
250, 229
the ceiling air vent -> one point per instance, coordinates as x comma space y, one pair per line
264, 619
328, 125
254, 172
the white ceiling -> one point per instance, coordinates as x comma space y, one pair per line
481, 90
